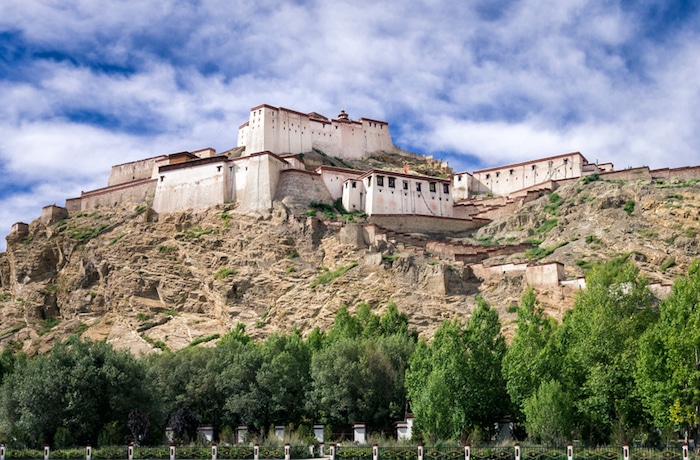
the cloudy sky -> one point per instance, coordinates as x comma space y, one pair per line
85, 84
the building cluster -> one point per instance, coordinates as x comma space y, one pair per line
268, 165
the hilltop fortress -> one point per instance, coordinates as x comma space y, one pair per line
268, 165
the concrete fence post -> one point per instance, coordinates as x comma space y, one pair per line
626, 452
88, 452
172, 451
375, 452
332, 452
287, 452
320, 449
420, 451
685, 451
467, 452
517, 452
2, 451
214, 451
130, 451
570, 451
46, 452
256, 452
311, 450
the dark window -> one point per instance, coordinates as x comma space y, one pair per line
433, 186
354, 185
511, 172
445, 188
369, 181
459, 178
380, 181
417, 186
488, 176
534, 167
498, 174
392, 182
405, 185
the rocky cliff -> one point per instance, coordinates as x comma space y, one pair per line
148, 282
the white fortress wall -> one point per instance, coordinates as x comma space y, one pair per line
504, 180
334, 178
376, 136
393, 193
461, 184
256, 180
354, 194
193, 185
134, 170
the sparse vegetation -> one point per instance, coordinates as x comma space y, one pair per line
331, 275
690, 232
85, 235
554, 202
546, 226
224, 273
390, 256
194, 233
674, 196
290, 270
48, 324
142, 317
155, 343
629, 207
165, 249
204, 339
647, 233
141, 208
542, 252
584, 264
592, 239
668, 263
588, 179
115, 239
5, 296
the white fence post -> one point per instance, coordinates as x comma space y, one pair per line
685, 451
2, 451
420, 451
626, 452
46, 452
88, 452
214, 451
130, 451
570, 452
375, 452
517, 452
172, 451
256, 452
332, 452
287, 452
467, 452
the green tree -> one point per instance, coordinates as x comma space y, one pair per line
600, 340
668, 365
76, 389
550, 414
455, 384
533, 357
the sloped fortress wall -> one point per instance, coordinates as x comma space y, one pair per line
196, 184
135, 170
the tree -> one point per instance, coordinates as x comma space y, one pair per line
550, 414
79, 387
455, 383
668, 365
599, 339
533, 356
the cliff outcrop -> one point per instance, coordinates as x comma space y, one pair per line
145, 282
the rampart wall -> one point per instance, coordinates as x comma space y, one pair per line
298, 188
132, 171
194, 185
685, 173
425, 224
52, 214
139, 192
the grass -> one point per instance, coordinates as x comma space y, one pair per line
546, 226
588, 179
533, 241
690, 232
647, 233
194, 233
141, 208
5, 296
48, 289
86, 235
331, 275
204, 339
224, 273
165, 249
390, 256
674, 196
554, 202
170, 312
155, 343
486, 241
290, 270
592, 239
584, 264
48, 324
13, 330
142, 317
540, 252
115, 239
629, 207
670, 262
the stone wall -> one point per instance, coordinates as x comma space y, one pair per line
642, 173
545, 275
425, 224
134, 170
139, 192
52, 214
298, 188
688, 172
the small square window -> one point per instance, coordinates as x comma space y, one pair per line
380, 181
488, 176
405, 185
417, 186
534, 167
512, 171
445, 188
498, 174
433, 186
392, 182
459, 178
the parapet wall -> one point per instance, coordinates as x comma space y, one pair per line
52, 214
688, 172
133, 171
140, 192
425, 224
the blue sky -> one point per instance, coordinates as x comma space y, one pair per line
87, 84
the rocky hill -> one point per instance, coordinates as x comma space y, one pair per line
146, 282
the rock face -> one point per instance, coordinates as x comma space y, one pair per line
145, 282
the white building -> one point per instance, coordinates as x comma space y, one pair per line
283, 131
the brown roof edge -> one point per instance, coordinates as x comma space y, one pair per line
409, 176
143, 159
197, 162
335, 168
374, 121
531, 161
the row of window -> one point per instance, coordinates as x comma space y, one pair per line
512, 171
432, 186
